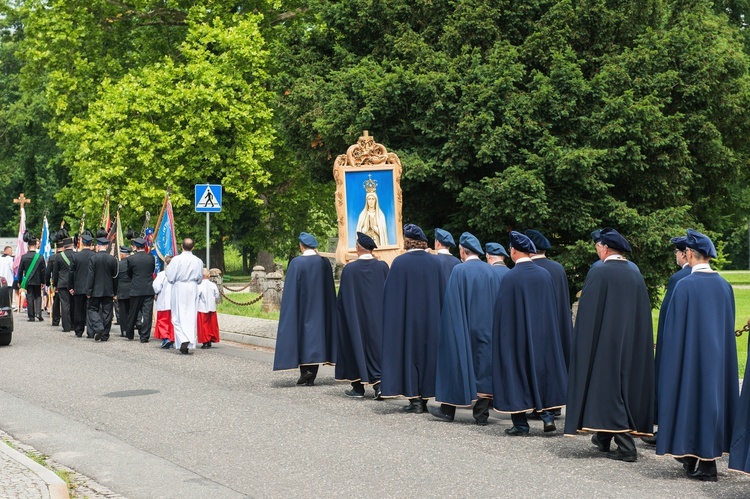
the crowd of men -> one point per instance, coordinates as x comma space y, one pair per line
88, 288
478, 335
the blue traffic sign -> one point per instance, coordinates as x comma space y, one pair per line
208, 198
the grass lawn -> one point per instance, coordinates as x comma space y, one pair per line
253, 310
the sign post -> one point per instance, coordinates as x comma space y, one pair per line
208, 200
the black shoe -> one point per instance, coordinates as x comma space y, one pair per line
39, 318
79, 335
55, 323
705, 472
688, 463
97, 336
376, 395
482, 422
557, 413
533, 415
603, 447
438, 413
307, 378
204, 346
209, 345
416, 406
183, 348
144, 341
649, 440
31, 320
516, 431
354, 394
548, 427
618, 455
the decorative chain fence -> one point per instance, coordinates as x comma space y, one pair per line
251, 302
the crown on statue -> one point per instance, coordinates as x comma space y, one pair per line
370, 185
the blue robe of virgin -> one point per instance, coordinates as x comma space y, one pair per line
447, 262
307, 319
562, 296
680, 274
698, 388
464, 354
412, 299
360, 321
739, 451
528, 369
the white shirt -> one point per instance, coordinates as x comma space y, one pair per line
472, 257
163, 291
524, 259
614, 257
366, 256
443, 251
208, 293
536, 257
702, 267
6, 268
309, 252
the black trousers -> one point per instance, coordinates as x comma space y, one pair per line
141, 307
79, 315
624, 441
55, 309
99, 312
123, 316
34, 300
65, 300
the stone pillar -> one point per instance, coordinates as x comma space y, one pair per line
274, 288
258, 279
216, 277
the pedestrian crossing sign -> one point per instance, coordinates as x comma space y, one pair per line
208, 198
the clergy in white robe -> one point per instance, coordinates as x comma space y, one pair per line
163, 330
185, 273
208, 322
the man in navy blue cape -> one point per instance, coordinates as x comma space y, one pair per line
360, 320
698, 388
413, 297
739, 451
562, 292
596, 237
443, 242
681, 260
528, 371
307, 319
496, 256
611, 375
464, 355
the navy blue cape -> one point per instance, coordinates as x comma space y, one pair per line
412, 300
307, 319
611, 376
562, 296
464, 354
360, 321
528, 369
683, 272
739, 451
447, 262
698, 387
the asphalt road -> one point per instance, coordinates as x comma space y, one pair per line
146, 422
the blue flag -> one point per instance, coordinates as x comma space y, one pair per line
44, 246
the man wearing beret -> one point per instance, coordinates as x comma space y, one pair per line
412, 300
307, 320
596, 237
698, 390
464, 354
681, 260
31, 275
496, 256
562, 292
79, 275
141, 268
122, 304
101, 287
360, 320
611, 376
443, 242
529, 370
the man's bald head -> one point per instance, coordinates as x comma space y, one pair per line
188, 244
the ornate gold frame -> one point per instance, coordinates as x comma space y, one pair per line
366, 155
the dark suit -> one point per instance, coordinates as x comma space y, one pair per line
55, 306
79, 274
123, 298
101, 287
61, 280
141, 267
33, 283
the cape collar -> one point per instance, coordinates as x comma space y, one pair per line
366, 256
443, 251
309, 252
702, 267
614, 257
537, 257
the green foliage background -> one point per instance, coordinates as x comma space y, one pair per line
559, 115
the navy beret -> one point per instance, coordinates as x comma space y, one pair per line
308, 240
495, 249
87, 239
445, 237
471, 243
412, 231
700, 242
679, 242
67, 241
612, 239
102, 240
139, 242
596, 235
521, 242
541, 242
366, 241
125, 249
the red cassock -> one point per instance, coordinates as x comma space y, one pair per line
164, 329
208, 327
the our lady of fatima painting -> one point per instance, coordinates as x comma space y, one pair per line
368, 199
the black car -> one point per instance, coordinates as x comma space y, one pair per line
6, 313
